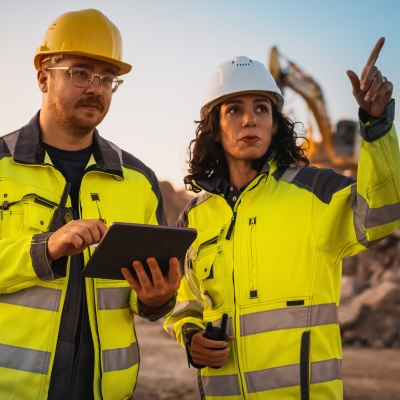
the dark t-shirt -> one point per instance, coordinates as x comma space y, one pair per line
73, 369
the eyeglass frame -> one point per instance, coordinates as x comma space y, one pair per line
70, 69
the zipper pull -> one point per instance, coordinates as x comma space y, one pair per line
5, 205
229, 233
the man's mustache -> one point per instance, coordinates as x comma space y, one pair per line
92, 101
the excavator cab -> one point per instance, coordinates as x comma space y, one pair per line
345, 138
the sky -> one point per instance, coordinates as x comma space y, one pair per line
174, 45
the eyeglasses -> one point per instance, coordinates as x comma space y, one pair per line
81, 77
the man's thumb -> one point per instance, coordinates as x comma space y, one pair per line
355, 82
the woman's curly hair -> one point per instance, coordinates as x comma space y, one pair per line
207, 158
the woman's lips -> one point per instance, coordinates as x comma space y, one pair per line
250, 139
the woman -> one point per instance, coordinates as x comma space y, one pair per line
271, 235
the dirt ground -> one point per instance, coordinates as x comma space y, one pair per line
164, 374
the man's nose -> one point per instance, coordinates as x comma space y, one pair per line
95, 86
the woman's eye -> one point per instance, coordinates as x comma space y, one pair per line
262, 109
233, 110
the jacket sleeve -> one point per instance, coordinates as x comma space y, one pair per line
363, 212
188, 313
24, 263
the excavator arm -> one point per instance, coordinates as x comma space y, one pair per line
294, 78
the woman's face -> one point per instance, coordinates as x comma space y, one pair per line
246, 127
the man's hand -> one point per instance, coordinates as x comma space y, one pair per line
373, 92
74, 237
155, 293
210, 353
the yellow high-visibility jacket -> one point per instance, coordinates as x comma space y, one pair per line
115, 187
273, 264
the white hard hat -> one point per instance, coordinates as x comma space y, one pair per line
240, 75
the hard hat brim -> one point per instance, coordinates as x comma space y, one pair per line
123, 68
275, 97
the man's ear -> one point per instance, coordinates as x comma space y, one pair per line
43, 80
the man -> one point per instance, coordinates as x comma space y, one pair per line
63, 336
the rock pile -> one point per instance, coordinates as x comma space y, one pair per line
369, 313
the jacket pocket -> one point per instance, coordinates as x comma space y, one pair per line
24, 218
37, 217
209, 265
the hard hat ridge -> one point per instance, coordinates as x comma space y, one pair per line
240, 75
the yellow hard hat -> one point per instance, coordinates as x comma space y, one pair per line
87, 33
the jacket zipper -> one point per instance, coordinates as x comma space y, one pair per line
253, 256
231, 226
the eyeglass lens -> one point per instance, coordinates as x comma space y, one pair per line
82, 78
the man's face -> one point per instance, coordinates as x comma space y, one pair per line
78, 109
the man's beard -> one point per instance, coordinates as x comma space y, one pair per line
72, 124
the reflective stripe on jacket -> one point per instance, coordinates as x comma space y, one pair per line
115, 187
273, 264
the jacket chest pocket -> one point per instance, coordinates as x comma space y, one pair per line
209, 265
25, 218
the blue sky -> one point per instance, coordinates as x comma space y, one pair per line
174, 45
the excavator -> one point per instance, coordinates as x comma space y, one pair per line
338, 148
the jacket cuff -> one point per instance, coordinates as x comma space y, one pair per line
187, 338
372, 132
40, 261
155, 317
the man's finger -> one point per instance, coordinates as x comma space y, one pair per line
156, 274
174, 275
134, 284
375, 52
143, 278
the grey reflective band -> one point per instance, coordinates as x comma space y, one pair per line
327, 370
359, 209
289, 375
222, 385
117, 149
119, 359
113, 298
24, 359
365, 217
39, 297
383, 215
288, 318
289, 175
11, 141
273, 378
185, 306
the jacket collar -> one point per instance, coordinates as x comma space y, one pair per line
29, 148
215, 185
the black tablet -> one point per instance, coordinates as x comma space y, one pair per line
124, 243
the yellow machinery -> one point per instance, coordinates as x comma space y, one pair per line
337, 149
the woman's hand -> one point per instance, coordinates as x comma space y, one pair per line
373, 92
208, 352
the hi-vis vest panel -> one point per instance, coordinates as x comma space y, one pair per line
273, 264
116, 187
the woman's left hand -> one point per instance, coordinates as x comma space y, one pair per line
373, 92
